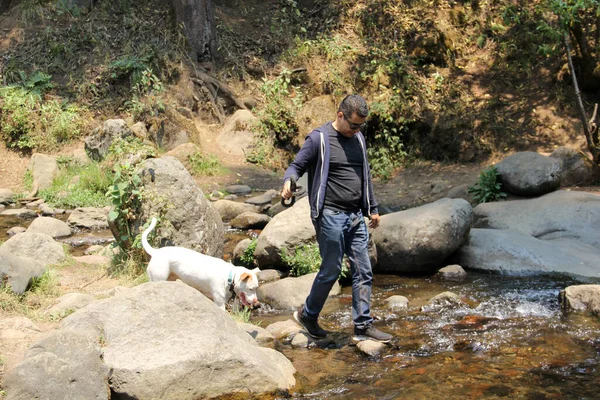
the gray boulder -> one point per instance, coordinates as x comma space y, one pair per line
38, 246
515, 253
419, 239
18, 271
290, 293
261, 335
164, 340
397, 303
189, 219
576, 168
6, 196
88, 218
69, 303
50, 226
581, 298
452, 273
286, 231
229, 209
43, 169
529, 174
568, 214
64, 365
250, 220
98, 143
19, 212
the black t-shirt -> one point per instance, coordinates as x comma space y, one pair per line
344, 184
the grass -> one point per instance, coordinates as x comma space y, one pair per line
42, 293
206, 165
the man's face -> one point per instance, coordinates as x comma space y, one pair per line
350, 125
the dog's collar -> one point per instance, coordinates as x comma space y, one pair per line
231, 283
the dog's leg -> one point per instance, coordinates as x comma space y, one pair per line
158, 269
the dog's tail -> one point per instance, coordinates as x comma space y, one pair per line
149, 249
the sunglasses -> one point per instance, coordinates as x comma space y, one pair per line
352, 125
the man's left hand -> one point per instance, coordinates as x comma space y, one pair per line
374, 222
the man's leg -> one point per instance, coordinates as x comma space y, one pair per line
362, 273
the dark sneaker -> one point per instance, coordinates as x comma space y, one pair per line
311, 326
371, 333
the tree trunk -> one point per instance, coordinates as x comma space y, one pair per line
197, 20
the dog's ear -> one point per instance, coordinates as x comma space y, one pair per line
245, 276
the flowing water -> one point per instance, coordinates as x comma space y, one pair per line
511, 341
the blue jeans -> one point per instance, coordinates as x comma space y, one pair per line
340, 233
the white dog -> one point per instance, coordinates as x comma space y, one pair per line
213, 277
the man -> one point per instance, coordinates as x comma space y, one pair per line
340, 193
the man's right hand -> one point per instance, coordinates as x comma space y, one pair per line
286, 192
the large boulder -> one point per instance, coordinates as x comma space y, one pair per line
419, 239
576, 168
581, 298
568, 214
38, 246
64, 365
189, 219
18, 271
98, 143
290, 293
529, 174
91, 218
516, 253
165, 340
50, 226
43, 170
286, 231
229, 209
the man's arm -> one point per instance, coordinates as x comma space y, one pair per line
305, 157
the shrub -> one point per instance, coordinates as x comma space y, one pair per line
305, 260
247, 257
488, 188
205, 165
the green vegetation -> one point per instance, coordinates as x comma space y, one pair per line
40, 294
488, 188
126, 197
205, 165
305, 260
247, 257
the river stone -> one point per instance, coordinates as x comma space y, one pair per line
284, 329
286, 231
239, 250
43, 170
568, 214
452, 273
19, 213
528, 173
263, 199
64, 365
190, 220
250, 220
98, 143
261, 335
444, 300
576, 168
68, 303
15, 230
38, 246
18, 271
397, 303
418, 240
516, 253
6, 196
164, 340
238, 189
89, 218
581, 298
371, 347
269, 275
290, 293
229, 209
50, 226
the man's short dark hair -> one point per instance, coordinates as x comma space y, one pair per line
354, 103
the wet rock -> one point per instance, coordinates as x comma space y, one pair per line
289, 293
283, 329
397, 303
269, 275
261, 335
46, 210
17, 271
6, 196
68, 304
577, 169
303, 341
529, 174
250, 220
89, 218
238, 189
581, 298
263, 199
38, 246
228, 209
471, 322
43, 170
452, 273
16, 230
371, 347
19, 213
443, 301
93, 249
50, 226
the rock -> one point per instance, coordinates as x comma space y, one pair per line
397, 303
581, 298
460, 192
17, 271
576, 168
6, 196
43, 169
452, 273
152, 354
38, 246
93, 249
68, 304
93, 259
238, 189
371, 347
237, 137
290, 293
438, 187
419, 239
250, 220
529, 174
172, 131
239, 250
284, 329
265, 198
568, 214
139, 130
269, 275
228, 209
50, 226
189, 220
88, 218
15, 230
98, 143
261, 335
183, 153
64, 365
19, 213
286, 231
46, 210
443, 301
